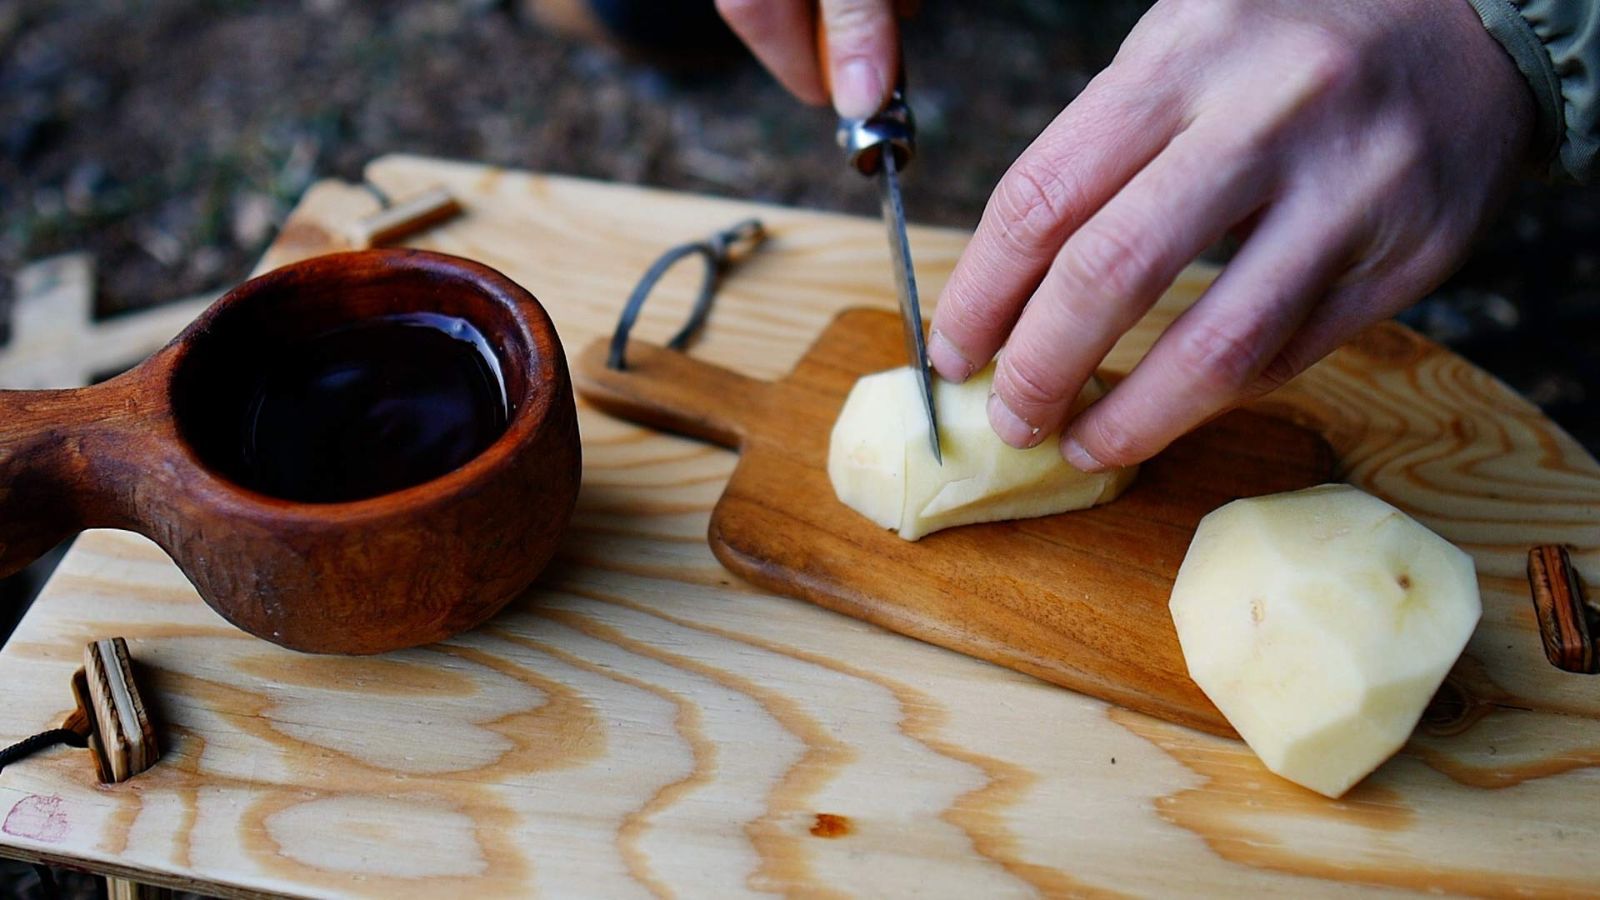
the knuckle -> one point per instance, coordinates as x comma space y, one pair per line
1409, 153
1202, 18
1107, 260
856, 21
1403, 212
1411, 169
966, 313
1168, 42
1025, 384
973, 321
1219, 360
1324, 63
1113, 443
1032, 204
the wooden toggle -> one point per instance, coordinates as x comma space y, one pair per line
401, 220
1568, 626
111, 713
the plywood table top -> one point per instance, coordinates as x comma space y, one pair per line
642, 723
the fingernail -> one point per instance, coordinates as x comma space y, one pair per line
947, 359
858, 89
1079, 457
1012, 428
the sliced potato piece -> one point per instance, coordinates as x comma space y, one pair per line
881, 466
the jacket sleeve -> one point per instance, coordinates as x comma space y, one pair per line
1556, 46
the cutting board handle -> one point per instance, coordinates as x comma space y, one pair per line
672, 391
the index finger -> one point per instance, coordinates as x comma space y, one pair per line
1071, 170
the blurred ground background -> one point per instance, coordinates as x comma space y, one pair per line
169, 138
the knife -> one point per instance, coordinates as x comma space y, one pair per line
880, 146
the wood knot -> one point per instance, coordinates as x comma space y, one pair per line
1452, 710
829, 825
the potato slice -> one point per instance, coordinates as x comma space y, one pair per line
1321, 622
881, 466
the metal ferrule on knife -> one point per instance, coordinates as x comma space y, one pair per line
863, 140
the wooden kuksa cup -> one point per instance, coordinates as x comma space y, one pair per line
401, 569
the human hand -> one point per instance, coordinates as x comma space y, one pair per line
1358, 146
863, 47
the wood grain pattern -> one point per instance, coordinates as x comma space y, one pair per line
1079, 600
644, 724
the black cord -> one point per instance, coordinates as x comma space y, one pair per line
718, 253
29, 746
378, 194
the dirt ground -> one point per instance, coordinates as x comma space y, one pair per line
170, 138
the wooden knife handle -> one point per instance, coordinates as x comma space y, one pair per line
670, 390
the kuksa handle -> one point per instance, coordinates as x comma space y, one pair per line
66, 457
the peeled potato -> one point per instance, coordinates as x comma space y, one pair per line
1321, 622
881, 465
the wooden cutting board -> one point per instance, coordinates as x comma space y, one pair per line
1078, 599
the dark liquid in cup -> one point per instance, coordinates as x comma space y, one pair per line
370, 408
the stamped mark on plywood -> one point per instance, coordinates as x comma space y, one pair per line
38, 818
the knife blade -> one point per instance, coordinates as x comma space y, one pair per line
905, 280
880, 146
